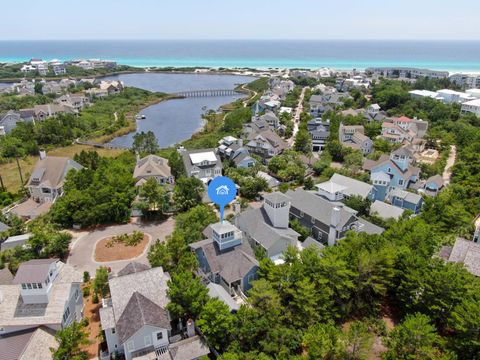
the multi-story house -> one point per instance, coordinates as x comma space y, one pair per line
48, 177
319, 132
403, 130
226, 258
353, 137
44, 292
231, 148
405, 200
136, 321
76, 102
152, 166
390, 172
472, 106
204, 164
267, 227
328, 221
262, 140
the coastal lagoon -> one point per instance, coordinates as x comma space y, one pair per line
173, 121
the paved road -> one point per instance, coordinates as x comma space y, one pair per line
83, 244
447, 173
296, 118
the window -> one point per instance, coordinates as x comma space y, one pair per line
312, 219
160, 335
400, 182
148, 340
113, 330
34, 285
301, 214
40, 285
29, 285
130, 346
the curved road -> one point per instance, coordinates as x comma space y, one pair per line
83, 244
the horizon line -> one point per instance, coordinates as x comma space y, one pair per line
248, 39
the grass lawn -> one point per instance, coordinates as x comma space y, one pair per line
9, 171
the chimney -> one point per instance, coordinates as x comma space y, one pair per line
43, 154
334, 221
190, 328
240, 142
137, 156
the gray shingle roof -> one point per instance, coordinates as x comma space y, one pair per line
33, 271
139, 312
353, 186
406, 195
6, 276
468, 253
132, 268
217, 291
385, 211
189, 349
152, 165
256, 224
52, 170
3, 227
319, 208
369, 228
276, 197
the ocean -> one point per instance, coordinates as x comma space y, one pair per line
461, 56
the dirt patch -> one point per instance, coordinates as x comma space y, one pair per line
91, 311
118, 251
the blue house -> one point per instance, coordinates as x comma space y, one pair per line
406, 200
225, 258
392, 172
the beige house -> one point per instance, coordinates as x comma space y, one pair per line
152, 166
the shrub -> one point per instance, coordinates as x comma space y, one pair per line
86, 292
95, 298
86, 276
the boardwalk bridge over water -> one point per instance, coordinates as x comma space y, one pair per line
207, 93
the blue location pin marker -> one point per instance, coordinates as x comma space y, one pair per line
222, 191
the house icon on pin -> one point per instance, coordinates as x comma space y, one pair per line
222, 190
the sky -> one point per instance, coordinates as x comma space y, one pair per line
245, 19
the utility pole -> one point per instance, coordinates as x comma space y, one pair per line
19, 171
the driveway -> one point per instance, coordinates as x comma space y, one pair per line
447, 173
83, 244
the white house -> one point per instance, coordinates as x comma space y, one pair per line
471, 107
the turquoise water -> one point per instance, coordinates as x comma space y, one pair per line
339, 54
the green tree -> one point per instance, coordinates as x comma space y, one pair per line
358, 203
145, 143
323, 341
353, 161
414, 338
38, 88
187, 295
70, 340
100, 283
188, 193
303, 142
153, 197
216, 323
357, 340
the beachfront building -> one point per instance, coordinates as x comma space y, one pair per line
406, 72
472, 106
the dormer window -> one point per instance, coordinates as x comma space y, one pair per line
29, 286
24, 286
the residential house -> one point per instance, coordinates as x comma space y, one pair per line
353, 137
218, 292
135, 319
466, 80
403, 130
9, 120
472, 106
232, 149
328, 221
340, 187
390, 172
48, 177
75, 102
112, 87
267, 227
262, 140
385, 211
271, 181
152, 166
32, 344
226, 258
319, 104
204, 164
405, 200
319, 132
271, 119
463, 251
433, 185
52, 87
43, 112
44, 292
407, 73
13, 241
4, 227
96, 93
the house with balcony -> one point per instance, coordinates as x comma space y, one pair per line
353, 136
329, 221
44, 293
203, 164
319, 132
262, 140
268, 227
403, 130
232, 149
226, 258
48, 177
406, 200
341, 187
136, 321
152, 166
391, 172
